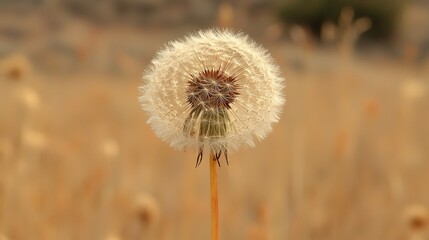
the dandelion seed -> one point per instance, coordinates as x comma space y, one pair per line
214, 89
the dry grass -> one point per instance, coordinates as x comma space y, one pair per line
77, 161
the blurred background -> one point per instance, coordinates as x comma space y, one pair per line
348, 160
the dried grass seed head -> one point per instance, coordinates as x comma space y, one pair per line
215, 89
15, 67
417, 217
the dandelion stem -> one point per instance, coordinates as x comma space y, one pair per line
214, 198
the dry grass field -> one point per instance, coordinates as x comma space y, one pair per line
348, 160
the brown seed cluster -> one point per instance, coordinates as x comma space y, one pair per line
212, 89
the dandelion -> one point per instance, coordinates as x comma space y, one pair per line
213, 90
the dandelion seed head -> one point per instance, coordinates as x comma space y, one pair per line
215, 89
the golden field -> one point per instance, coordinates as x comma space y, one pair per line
348, 160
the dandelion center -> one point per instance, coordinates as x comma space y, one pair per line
211, 90
210, 95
